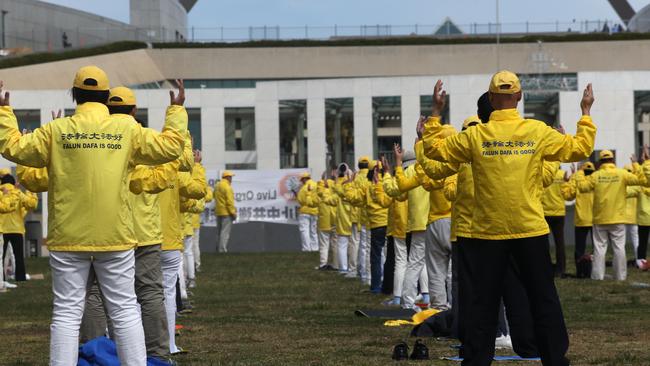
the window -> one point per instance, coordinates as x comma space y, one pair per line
241, 166
339, 131
240, 129
194, 126
543, 106
426, 103
218, 83
387, 124
293, 134
28, 118
642, 119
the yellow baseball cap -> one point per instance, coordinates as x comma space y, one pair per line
91, 78
305, 175
227, 173
588, 166
364, 159
470, 121
371, 164
121, 96
606, 154
4, 171
505, 82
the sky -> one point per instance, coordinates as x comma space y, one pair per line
243, 13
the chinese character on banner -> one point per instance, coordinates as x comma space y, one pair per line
273, 213
259, 213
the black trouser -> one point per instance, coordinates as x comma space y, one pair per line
17, 245
389, 267
644, 234
582, 233
377, 240
518, 314
485, 264
556, 224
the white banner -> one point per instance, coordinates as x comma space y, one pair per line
260, 195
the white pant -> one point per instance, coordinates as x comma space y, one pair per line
353, 249
323, 246
224, 225
334, 249
197, 248
632, 232
307, 224
401, 259
115, 273
438, 257
342, 244
170, 261
9, 260
363, 263
188, 258
602, 235
416, 270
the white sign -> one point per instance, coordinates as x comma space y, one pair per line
260, 195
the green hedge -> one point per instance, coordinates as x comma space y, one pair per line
43, 57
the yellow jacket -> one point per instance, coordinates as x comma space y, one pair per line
360, 211
308, 198
326, 201
642, 205
344, 206
14, 222
418, 197
196, 217
507, 157
459, 190
630, 205
609, 185
377, 214
8, 202
584, 201
556, 194
89, 157
33, 179
225, 199
397, 209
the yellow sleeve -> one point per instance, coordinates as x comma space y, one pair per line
379, 197
312, 196
549, 168
33, 179
405, 183
585, 183
29, 201
153, 148
209, 196
568, 148
230, 201
192, 185
32, 149
8, 202
353, 194
570, 189
153, 179
433, 169
449, 190
302, 196
453, 149
325, 195
632, 191
192, 205
187, 159
390, 186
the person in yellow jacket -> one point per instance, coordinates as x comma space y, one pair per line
507, 156
609, 185
359, 248
196, 224
12, 224
8, 203
85, 225
583, 217
192, 220
342, 187
553, 202
326, 201
643, 219
307, 197
225, 209
631, 228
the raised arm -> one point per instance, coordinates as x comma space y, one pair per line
33, 179
153, 179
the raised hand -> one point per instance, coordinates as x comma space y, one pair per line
386, 164
573, 168
4, 98
57, 114
197, 156
419, 129
587, 100
180, 98
375, 175
633, 159
439, 97
560, 129
397, 150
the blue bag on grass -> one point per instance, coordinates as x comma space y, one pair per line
101, 351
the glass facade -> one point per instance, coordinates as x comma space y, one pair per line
642, 119
387, 124
29, 119
426, 103
194, 126
339, 131
240, 129
543, 106
293, 134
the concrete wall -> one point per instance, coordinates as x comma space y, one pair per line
167, 17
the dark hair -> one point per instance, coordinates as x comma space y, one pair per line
363, 165
342, 169
121, 109
484, 108
8, 178
81, 96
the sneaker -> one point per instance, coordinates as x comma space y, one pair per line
503, 342
420, 351
401, 352
179, 351
27, 276
191, 284
10, 285
396, 301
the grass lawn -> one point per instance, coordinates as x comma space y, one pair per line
275, 309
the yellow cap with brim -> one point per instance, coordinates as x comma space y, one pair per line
226, 174
121, 96
505, 82
606, 154
470, 121
4, 171
305, 175
588, 166
91, 78
364, 159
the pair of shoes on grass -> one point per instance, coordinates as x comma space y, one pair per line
420, 351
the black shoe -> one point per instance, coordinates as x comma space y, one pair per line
401, 352
420, 351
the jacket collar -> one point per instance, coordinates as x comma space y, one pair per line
607, 166
505, 115
91, 107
